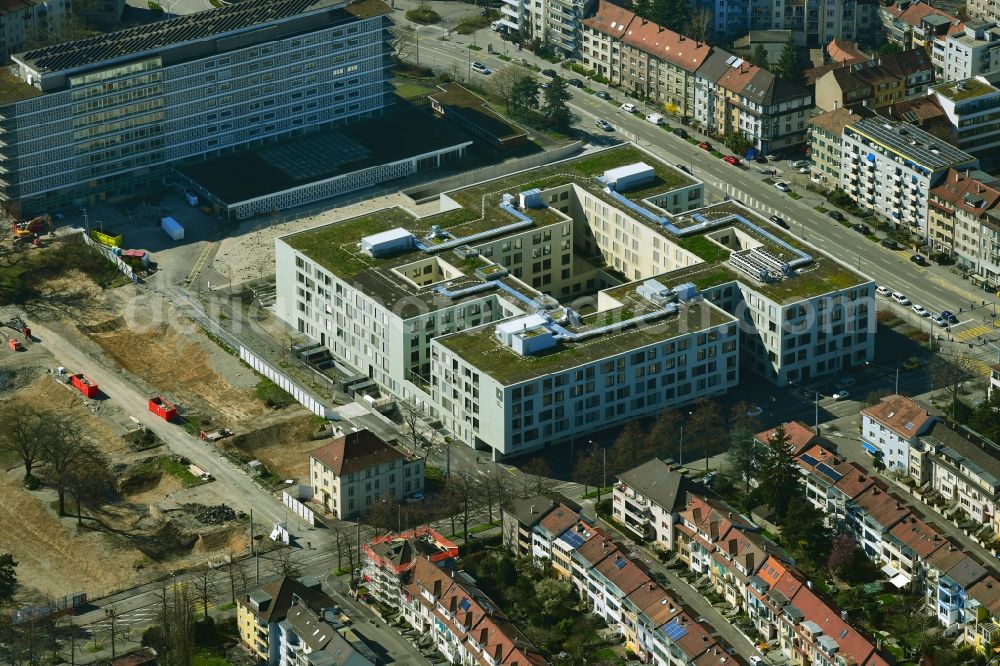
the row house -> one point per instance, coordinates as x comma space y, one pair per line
657, 627
465, 624
951, 573
891, 427
982, 617
648, 499
964, 219
963, 469
809, 628
876, 83
702, 524
388, 559
692, 79
520, 516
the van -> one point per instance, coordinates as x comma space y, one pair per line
495, 26
655, 119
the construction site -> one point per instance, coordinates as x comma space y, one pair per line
163, 513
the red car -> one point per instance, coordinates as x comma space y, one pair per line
729, 159
705, 145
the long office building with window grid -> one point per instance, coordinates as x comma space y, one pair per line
89, 120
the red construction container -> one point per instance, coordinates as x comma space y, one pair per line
162, 408
84, 385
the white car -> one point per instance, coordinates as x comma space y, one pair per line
883, 291
782, 187
756, 661
841, 395
921, 310
628, 107
604, 125
803, 169
755, 411
480, 67
801, 164
940, 321
655, 119
900, 298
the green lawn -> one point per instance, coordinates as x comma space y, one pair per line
795, 195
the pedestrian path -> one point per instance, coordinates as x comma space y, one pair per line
972, 332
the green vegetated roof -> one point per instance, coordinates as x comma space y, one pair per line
13, 89
957, 91
508, 367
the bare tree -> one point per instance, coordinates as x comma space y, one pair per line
493, 484
536, 477
700, 26
204, 586
504, 80
178, 630
413, 421
64, 450
284, 565
706, 426
404, 43
23, 431
111, 613
88, 481
341, 543
951, 372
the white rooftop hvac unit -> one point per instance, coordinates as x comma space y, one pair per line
625, 177
526, 335
387, 242
530, 198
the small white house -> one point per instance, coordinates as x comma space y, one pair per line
891, 427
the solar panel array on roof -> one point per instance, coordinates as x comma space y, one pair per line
164, 33
808, 459
673, 630
571, 538
829, 471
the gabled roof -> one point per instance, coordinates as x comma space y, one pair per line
558, 520
882, 507
987, 593
915, 12
823, 464
855, 482
855, 646
316, 633
281, 592
800, 436
610, 19
765, 88
967, 193
654, 602
356, 451
715, 65
906, 63
923, 539
919, 110
901, 415
597, 548
529, 511
841, 50
664, 44
622, 572
661, 484
713, 517
835, 121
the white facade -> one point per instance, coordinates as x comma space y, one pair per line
973, 107
975, 52
890, 168
354, 492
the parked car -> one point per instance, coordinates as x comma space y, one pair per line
681, 132
604, 125
845, 382
803, 169
683, 168
949, 316
772, 157
940, 321
480, 67
921, 310
705, 145
782, 187
836, 215
889, 243
780, 222
918, 259
549, 73
730, 159
576, 83
841, 395
755, 411
654, 118
883, 291
801, 164
900, 298
602, 95
628, 107
862, 228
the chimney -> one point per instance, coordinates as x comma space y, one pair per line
532, 509
809, 584
843, 615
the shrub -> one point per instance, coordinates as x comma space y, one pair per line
423, 15
273, 395
155, 8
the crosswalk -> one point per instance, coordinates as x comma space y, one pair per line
972, 332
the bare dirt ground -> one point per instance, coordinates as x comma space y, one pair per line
282, 441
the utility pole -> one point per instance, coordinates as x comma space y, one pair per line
816, 417
680, 449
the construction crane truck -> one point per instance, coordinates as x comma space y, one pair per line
32, 227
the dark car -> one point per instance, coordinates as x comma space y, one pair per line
549, 73
602, 94
780, 222
949, 316
836, 214
576, 83
683, 168
918, 259
889, 243
681, 132
862, 228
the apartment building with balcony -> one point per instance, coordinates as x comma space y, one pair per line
353, 471
826, 145
890, 167
916, 23
23, 21
389, 559
891, 427
520, 516
973, 109
950, 574
455, 617
259, 613
877, 83
814, 22
973, 52
108, 116
984, 10
648, 499
964, 220
602, 48
473, 313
